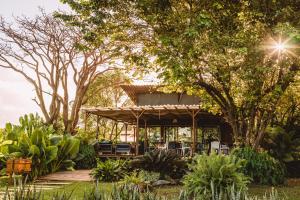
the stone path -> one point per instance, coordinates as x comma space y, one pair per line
78, 175
56, 180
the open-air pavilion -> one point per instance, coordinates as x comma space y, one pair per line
163, 111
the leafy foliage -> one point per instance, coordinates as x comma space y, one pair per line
282, 144
68, 148
218, 50
110, 170
215, 174
35, 140
86, 158
161, 161
260, 166
31, 140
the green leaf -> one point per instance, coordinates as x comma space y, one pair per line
51, 153
34, 150
6, 142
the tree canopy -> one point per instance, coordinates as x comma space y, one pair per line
223, 50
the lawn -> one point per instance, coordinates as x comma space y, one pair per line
78, 189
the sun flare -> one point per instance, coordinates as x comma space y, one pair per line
280, 47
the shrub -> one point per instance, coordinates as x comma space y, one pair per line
86, 158
161, 161
221, 172
110, 170
260, 166
282, 143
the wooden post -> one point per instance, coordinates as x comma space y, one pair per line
97, 127
137, 136
137, 116
193, 133
134, 133
116, 132
126, 128
145, 137
86, 116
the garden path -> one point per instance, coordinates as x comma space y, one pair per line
77, 175
55, 181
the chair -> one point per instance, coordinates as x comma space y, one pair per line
224, 149
105, 147
123, 148
215, 146
186, 149
172, 146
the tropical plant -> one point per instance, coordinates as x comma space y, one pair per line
68, 148
282, 144
86, 158
35, 140
30, 139
161, 161
214, 173
110, 170
260, 166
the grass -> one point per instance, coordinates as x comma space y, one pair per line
78, 189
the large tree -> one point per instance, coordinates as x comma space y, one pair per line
53, 58
225, 51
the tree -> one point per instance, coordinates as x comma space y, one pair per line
219, 49
52, 57
105, 91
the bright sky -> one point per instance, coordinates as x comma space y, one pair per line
15, 93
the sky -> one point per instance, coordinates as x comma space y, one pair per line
15, 93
